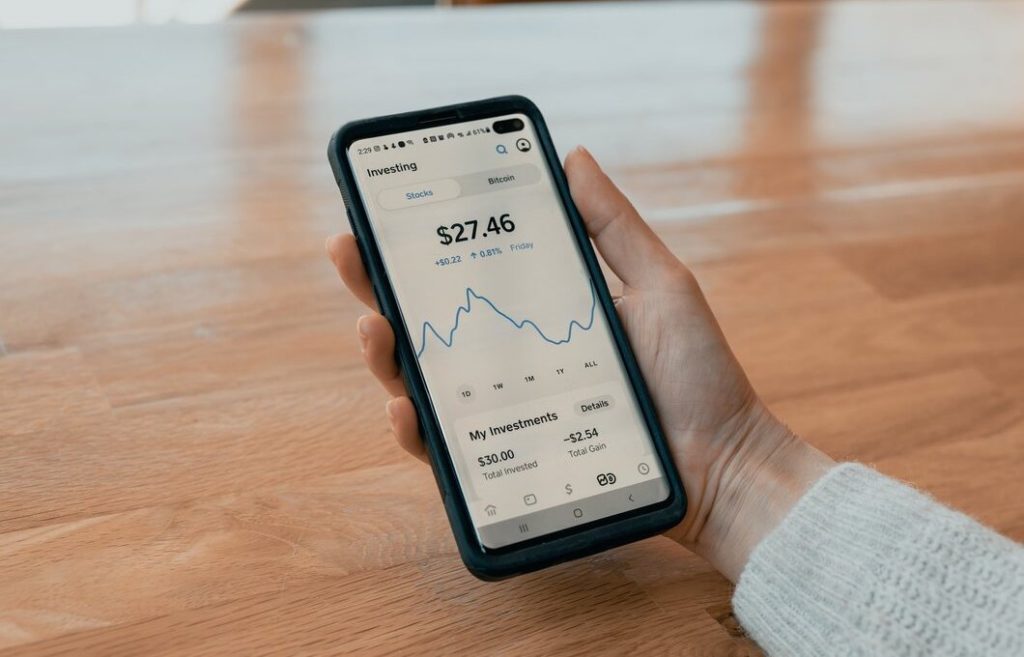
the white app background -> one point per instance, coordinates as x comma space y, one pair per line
516, 353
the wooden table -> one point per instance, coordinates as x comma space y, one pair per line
192, 458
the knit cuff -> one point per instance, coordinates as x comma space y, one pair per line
865, 565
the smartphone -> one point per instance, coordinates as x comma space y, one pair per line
541, 433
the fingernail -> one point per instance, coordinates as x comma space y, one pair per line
361, 329
389, 409
584, 152
328, 249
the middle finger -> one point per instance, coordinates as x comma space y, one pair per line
379, 352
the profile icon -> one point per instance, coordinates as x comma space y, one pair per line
523, 145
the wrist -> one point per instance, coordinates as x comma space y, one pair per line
749, 488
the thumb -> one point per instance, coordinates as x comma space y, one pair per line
629, 246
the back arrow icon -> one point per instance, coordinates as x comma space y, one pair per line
631, 497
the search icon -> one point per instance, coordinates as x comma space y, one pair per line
501, 149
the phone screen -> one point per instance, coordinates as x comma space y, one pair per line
534, 404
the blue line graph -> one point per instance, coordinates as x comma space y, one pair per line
519, 324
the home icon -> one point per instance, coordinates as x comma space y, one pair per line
491, 509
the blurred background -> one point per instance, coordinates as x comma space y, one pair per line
92, 13
193, 458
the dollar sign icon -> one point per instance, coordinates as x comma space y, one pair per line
445, 237
568, 489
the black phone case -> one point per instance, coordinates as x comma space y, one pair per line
540, 552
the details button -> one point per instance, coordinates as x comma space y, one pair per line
594, 405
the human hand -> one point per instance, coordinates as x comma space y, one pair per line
742, 469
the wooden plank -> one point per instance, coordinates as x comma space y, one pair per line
208, 551
197, 359
191, 448
879, 419
768, 284
367, 615
47, 390
1005, 369
296, 541
128, 300
909, 267
972, 475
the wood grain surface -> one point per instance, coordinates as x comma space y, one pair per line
192, 458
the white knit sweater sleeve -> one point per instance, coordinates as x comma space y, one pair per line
864, 565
